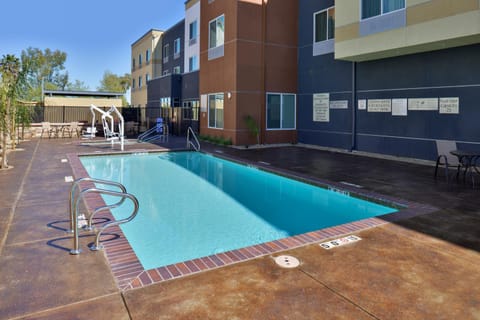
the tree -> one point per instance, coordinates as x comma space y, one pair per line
78, 86
44, 67
114, 83
11, 76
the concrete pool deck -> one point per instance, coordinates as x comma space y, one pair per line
426, 267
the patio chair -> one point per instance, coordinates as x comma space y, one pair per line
445, 158
46, 127
73, 128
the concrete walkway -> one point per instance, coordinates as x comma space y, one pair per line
427, 267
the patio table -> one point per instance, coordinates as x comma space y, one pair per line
467, 160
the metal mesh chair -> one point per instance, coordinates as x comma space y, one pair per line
445, 158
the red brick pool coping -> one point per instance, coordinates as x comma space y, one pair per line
130, 274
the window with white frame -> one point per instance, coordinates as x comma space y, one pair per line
166, 52
324, 25
193, 63
147, 56
192, 37
215, 110
372, 8
176, 70
216, 32
147, 78
176, 48
281, 111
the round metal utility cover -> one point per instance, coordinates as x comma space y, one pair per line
287, 261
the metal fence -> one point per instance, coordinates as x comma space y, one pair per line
144, 117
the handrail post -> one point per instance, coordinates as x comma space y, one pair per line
189, 142
96, 246
73, 204
75, 249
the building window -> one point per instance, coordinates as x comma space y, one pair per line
147, 78
216, 38
166, 72
193, 63
190, 110
133, 63
280, 111
140, 82
372, 8
217, 32
165, 102
166, 52
192, 37
140, 60
147, 56
324, 25
176, 70
133, 84
215, 110
176, 48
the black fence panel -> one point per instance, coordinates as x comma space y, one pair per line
178, 119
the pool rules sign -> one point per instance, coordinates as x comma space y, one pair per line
321, 107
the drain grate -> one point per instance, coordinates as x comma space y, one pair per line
287, 261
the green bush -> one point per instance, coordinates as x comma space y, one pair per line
216, 140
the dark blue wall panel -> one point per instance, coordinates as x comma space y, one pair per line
453, 72
169, 36
190, 85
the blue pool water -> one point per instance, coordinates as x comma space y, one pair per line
193, 205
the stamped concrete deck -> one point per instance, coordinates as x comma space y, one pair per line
426, 267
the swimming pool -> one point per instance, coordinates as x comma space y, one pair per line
194, 205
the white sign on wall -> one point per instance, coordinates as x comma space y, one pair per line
399, 107
450, 105
362, 104
203, 103
423, 104
321, 110
379, 105
339, 104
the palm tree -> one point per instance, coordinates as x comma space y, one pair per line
10, 71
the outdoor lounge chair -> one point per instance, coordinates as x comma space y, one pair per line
46, 127
72, 129
89, 133
445, 158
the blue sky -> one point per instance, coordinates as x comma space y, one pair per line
96, 35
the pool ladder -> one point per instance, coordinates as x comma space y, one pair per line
190, 143
92, 189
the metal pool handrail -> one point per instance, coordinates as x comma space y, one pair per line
76, 184
189, 142
96, 245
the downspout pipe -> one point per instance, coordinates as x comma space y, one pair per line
263, 117
354, 107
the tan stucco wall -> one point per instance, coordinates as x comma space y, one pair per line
148, 41
430, 25
56, 101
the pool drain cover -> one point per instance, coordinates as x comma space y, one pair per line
287, 261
